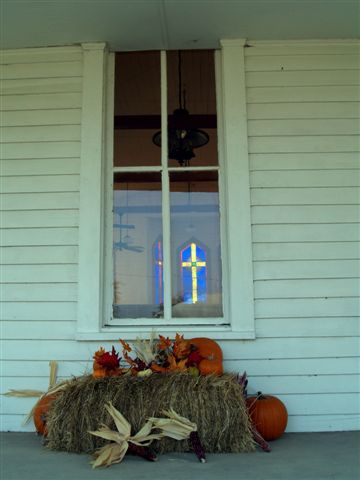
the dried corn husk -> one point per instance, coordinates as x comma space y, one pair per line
174, 426
53, 388
114, 452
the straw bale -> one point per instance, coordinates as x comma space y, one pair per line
214, 403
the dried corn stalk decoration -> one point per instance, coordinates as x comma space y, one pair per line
53, 388
174, 426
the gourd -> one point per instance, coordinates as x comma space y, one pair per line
41, 410
268, 415
211, 353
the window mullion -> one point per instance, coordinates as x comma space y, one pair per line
165, 191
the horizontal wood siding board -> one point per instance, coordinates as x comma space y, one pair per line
280, 63
60, 116
329, 126
323, 423
38, 274
303, 178
19, 237
312, 78
305, 196
43, 166
40, 218
315, 384
15, 368
303, 143
35, 255
329, 347
340, 232
38, 330
40, 184
39, 201
288, 366
36, 150
274, 214
41, 70
306, 251
297, 110
307, 288
41, 55
307, 327
306, 269
304, 161
343, 93
43, 133
29, 86
38, 311
307, 307
39, 292
44, 101
347, 47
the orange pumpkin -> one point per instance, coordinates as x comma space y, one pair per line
268, 414
211, 353
40, 412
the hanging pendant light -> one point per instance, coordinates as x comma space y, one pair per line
182, 138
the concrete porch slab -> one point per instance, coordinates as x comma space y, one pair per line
300, 456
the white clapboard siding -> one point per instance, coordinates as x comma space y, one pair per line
70, 116
35, 255
39, 237
39, 330
299, 110
50, 273
43, 166
41, 100
40, 133
28, 86
304, 196
306, 251
39, 201
39, 310
304, 161
303, 126
325, 232
39, 218
40, 183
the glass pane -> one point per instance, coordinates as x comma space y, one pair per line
195, 244
138, 265
137, 108
192, 108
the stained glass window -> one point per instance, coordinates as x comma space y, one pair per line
193, 273
158, 272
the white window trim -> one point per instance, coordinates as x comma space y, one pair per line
95, 288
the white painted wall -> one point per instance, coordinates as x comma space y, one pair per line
303, 123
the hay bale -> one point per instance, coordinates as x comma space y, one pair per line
215, 404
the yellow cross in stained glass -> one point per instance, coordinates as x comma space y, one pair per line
194, 264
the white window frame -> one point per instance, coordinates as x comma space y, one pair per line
95, 248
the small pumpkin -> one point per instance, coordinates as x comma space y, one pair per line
211, 354
41, 410
268, 415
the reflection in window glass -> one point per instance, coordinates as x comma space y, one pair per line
137, 228
195, 244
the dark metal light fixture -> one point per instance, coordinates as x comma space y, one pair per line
182, 137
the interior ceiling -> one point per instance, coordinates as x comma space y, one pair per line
172, 24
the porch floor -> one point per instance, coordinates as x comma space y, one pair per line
300, 456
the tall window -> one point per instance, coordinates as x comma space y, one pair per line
166, 204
